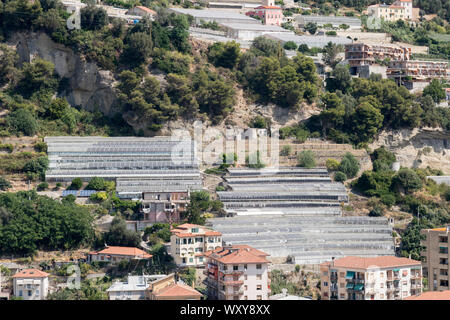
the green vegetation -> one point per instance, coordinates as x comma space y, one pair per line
157, 233
4, 184
29, 222
201, 203
119, 235
306, 159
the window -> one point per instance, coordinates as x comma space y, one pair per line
325, 284
258, 297
198, 239
443, 250
443, 239
245, 298
194, 230
258, 277
191, 259
20, 293
444, 283
37, 292
258, 266
29, 293
235, 268
342, 295
200, 259
183, 260
198, 249
325, 273
245, 287
185, 241
258, 287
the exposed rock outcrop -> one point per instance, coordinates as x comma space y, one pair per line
88, 86
418, 148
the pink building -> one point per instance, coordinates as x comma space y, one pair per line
269, 13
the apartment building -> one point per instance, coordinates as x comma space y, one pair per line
115, 254
365, 59
269, 13
188, 242
399, 10
237, 272
31, 284
378, 278
436, 257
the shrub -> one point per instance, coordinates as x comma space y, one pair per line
406, 180
376, 212
388, 199
99, 196
332, 165
285, 151
290, 45
77, 183
349, 165
340, 176
42, 186
22, 121
306, 159
98, 184
7, 147
4, 184
220, 188
40, 146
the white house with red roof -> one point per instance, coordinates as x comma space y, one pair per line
237, 272
188, 242
115, 254
399, 10
269, 13
370, 278
30, 284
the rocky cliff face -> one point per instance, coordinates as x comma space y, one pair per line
88, 86
418, 148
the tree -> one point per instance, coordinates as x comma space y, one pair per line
22, 121
311, 27
340, 79
332, 164
37, 167
340, 176
435, 90
37, 77
349, 165
285, 151
224, 54
8, 58
93, 17
138, 47
367, 120
330, 52
57, 108
119, 235
406, 180
306, 159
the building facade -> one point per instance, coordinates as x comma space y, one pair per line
31, 284
399, 10
436, 257
134, 288
269, 13
379, 278
115, 254
237, 272
188, 242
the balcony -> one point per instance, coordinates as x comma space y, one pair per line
229, 282
232, 271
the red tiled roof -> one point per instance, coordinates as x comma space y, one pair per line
178, 290
124, 251
431, 295
268, 7
237, 254
31, 273
148, 10
365, 263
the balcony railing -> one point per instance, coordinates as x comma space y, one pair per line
232, 271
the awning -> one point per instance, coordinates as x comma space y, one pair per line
359, 287
350, 275
349, 286
396, 270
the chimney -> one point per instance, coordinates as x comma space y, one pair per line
332, 261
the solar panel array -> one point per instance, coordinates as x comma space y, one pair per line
79, 193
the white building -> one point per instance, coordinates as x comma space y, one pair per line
376, 278
133, 288
249, 32
31, 284
189, 241
399, 10
237, 272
